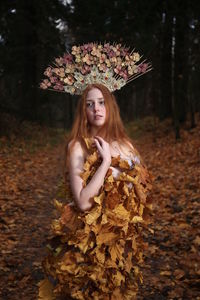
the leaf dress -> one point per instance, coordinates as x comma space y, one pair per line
96, 254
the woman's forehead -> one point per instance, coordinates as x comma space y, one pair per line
94, 93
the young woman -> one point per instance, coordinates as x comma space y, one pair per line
96, 247
97, 117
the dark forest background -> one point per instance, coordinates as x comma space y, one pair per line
33, 32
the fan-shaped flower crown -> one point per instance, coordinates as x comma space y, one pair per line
109, 64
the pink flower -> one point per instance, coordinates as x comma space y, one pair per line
102, 67
107, 48
59, 71
86, 69
142, 68
67, 59
86, 48
58, 86
102, 58
45, 84
48, 72
117, 69
124, 74
53, 79
59, 61
111, 53
87, 59
124, 51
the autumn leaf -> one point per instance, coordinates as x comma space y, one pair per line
45, 290
137, 219
107, 236
118, 278
116, 250
93, 215
121, 212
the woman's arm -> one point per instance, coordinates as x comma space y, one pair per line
76, 161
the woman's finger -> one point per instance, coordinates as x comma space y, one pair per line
98, 145
100, 139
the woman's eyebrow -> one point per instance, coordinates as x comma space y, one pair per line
94, 100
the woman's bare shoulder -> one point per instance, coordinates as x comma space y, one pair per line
76, 155
125, 148
74, 146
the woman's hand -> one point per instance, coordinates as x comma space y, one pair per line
104, 149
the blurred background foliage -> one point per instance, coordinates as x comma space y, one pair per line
33, 32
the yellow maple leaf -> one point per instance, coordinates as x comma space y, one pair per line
109, 263
100, 255
70, 263
83, 244
45, 290
140, 193
106, 238
126, 190
121, 212
99, 199
114, 220
97, 273
80, 240
93, 158
112, 199
137, 219
141, 209
93, 215
86, 166
89, 143
116, 250
104, 219
123, 164
144, 174
125, 177
109, 182
115, 160
58, 205
118, 278
85, 175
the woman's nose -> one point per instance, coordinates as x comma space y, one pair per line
96, 106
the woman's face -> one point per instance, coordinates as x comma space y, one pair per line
95, 108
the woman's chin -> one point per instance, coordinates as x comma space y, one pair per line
98, 123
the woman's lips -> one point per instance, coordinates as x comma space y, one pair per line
98, 117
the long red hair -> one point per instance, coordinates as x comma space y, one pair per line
112, 130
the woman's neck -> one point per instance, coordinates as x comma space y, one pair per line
94, 131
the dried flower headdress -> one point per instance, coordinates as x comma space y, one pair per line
109, 64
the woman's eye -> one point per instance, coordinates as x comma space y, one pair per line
89, 104
101, 102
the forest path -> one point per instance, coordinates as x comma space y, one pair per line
172, 262
29, 183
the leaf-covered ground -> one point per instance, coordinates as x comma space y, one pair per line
172, 264
30, 174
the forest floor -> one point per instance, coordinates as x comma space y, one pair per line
31, 171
